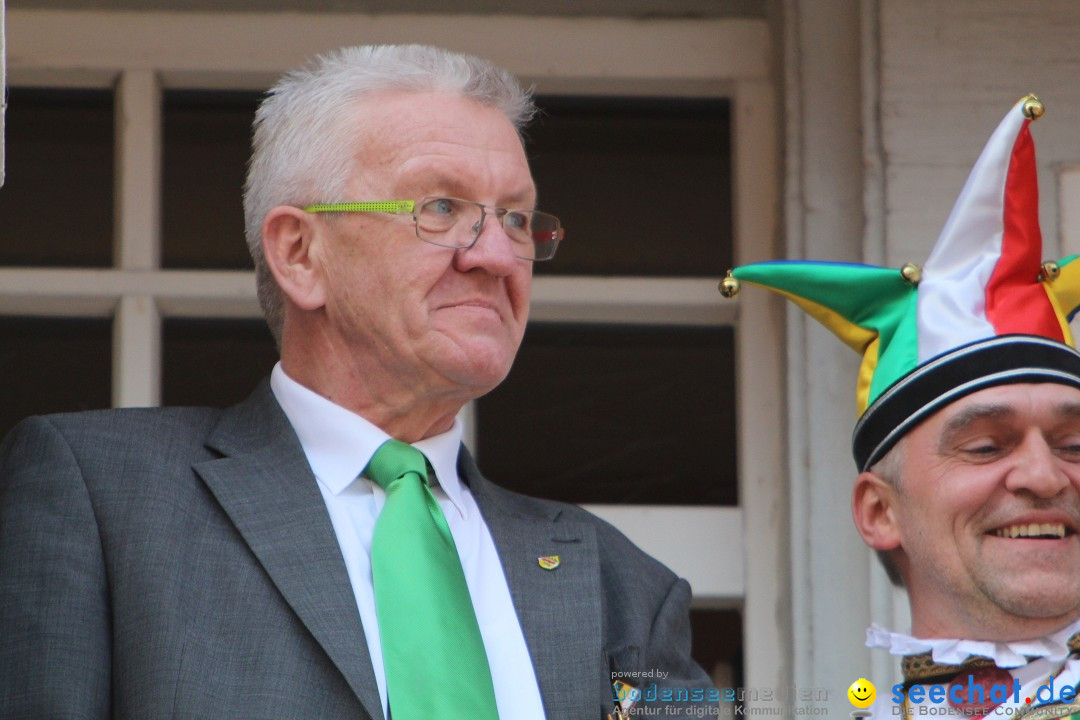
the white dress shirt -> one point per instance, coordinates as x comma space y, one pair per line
338, 445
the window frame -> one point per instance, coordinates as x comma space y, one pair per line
739, 555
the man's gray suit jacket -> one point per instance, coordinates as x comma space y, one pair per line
180, 563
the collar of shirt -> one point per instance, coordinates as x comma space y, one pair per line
954, 651
339, 443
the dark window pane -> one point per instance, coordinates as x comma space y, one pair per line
54, 365
206, 142
717, 639
643, 185
57, 199
215, 363
615, 414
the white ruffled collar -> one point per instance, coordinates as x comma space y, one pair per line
951, 651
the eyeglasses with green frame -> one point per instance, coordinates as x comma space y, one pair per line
454, 223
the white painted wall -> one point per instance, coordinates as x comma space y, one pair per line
824, 220
931, 80
949, 72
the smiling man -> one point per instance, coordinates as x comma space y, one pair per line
328, 548
980, 514
968, 442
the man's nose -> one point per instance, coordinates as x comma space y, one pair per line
1038, 469
492, 251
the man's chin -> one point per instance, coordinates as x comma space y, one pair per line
1039, 596
479, 374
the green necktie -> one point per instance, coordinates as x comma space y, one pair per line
434, 657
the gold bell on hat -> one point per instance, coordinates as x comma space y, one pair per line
1033, 107
729, 286
911, 273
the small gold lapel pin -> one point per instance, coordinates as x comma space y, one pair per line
548, 562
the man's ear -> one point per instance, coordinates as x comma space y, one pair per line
874, 507
292, 254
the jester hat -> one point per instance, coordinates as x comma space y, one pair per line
984, 310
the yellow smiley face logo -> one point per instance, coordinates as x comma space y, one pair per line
862, 693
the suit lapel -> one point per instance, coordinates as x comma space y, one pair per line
265, 485
559, 608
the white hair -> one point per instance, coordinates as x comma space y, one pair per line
304, 136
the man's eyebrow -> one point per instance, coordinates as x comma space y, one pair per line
1068, 410
450, 185
969, 416
441, 184
522, 201
973, 414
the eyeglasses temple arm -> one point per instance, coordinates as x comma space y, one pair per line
398, 207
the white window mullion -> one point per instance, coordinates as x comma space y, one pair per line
138, 170
762, 491
136, 377
667, 531
639, 300
137, 327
